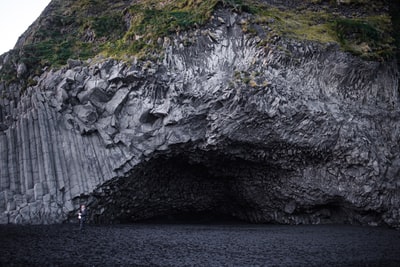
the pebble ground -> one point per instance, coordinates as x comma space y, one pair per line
198, 245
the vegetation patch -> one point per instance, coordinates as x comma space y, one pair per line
111, 26
84, 29
369, 37
307, 25
151, 20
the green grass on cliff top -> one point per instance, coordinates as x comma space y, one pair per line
369, 37
86, 28
151, 20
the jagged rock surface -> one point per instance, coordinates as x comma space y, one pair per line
293, 133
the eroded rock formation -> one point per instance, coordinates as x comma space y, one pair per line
295, 132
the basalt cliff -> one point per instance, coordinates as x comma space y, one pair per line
222, 122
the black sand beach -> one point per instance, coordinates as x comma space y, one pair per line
198, 245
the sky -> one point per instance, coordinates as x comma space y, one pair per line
15, 17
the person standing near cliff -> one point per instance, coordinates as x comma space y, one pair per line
82, 214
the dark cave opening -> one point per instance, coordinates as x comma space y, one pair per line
211, 187
180, 188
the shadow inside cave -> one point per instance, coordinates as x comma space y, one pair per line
199, 187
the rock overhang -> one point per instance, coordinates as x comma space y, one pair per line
297, 136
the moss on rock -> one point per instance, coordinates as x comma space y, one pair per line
119, 29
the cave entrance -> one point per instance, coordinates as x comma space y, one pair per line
200, 188
194, 186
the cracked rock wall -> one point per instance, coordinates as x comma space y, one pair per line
295, 132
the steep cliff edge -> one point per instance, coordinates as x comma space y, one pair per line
289, 132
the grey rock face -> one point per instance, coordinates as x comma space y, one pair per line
293, 133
